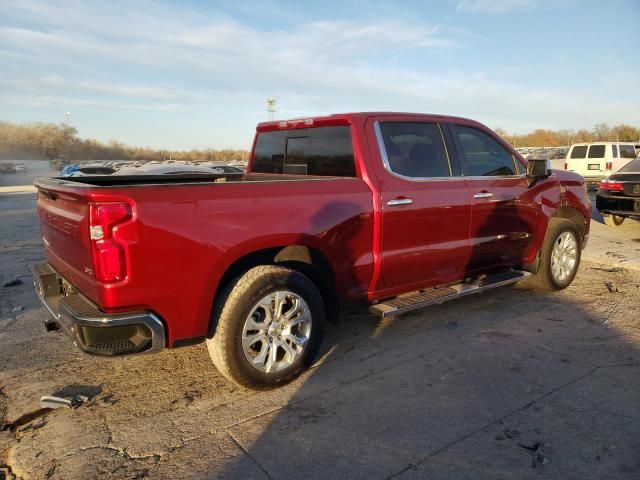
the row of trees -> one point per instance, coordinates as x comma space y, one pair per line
557, 138
46, 141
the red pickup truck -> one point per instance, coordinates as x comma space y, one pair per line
396, 210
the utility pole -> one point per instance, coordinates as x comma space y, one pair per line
271, 107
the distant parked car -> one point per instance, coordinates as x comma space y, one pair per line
177, 169
618, 196
79, 170
597, 160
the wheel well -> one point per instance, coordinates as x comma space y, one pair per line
572, 214
308, 261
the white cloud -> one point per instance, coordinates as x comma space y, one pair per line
496, 7
147, 57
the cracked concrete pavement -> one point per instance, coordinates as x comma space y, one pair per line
508, 384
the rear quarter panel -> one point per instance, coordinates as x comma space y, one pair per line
188, 235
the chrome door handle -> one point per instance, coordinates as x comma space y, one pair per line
399, 201
483, 195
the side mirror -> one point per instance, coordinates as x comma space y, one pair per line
538, 169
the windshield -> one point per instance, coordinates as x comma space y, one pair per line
632, 166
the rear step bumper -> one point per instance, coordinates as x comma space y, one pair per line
434, 296
90, 329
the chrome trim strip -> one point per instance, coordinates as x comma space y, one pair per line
498, 177
399, 201
446, 150
462, 290
483, 195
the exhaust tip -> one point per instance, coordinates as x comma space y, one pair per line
51, 326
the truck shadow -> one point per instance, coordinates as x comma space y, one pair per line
503, 385
489, 386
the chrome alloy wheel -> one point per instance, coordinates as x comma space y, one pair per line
277, 331
564, 256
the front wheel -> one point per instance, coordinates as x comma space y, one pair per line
270, 323
559, 256
612, 220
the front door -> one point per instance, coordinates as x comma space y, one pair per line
503, 214
425, 207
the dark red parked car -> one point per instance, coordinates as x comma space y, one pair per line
396, 210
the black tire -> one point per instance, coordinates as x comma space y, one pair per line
544, 278
234, 306
612, 220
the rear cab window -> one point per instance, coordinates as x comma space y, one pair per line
481, 155
322, 151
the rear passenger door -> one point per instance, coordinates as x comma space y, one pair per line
425, 205
503, 213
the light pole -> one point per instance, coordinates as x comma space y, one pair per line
271, 107
67, 114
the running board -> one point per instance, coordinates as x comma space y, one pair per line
434, 296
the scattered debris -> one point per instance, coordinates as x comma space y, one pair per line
452, 324
511, 433
17, 308
51, 401
533, 447
609, 270
106, 401
13, 283
24, 420
538, 455
612, 287
554, 319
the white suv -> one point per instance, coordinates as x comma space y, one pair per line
597, 160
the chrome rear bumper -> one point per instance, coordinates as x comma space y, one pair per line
90, 329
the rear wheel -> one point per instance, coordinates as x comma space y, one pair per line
269, 329
559, 256
612, 220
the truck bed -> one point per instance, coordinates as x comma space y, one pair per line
186, 230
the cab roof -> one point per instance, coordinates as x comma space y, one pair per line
348, 118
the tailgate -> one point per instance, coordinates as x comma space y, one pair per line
64, 218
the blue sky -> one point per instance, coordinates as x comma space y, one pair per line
197, 74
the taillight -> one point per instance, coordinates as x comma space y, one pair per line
566, 166
109, 253
608, 166
611, 185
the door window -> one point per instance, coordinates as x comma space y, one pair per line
482, 156
414, 149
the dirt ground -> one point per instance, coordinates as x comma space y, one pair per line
508, 384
